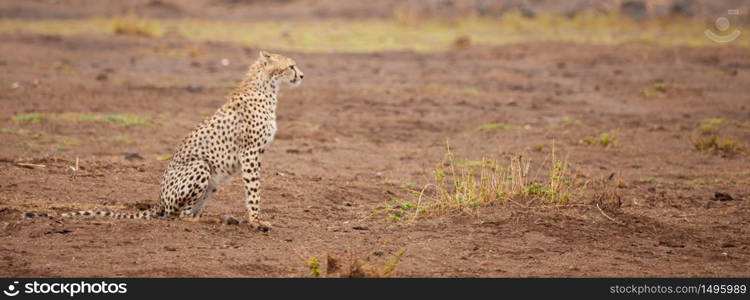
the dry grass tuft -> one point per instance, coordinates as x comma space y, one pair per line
351, 266
461, 187
132, 24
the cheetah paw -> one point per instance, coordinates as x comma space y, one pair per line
260, 225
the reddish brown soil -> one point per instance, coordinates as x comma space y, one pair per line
359, 129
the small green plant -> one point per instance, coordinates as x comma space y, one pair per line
729, 146
605, 139
534, 189
711, 125
708, 139
713, 144
314, 265
395, 209
466, 187
351, 266
132, 24
655, 89
705, 143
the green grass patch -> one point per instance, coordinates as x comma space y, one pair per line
712, 125
720, 135
132, 24
124, 120
31, 117
712, 143
373, 35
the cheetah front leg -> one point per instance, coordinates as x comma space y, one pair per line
250, 161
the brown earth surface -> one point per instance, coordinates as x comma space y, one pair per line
358, 130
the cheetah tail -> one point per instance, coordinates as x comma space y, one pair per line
146, 214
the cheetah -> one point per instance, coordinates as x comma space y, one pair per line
232, 141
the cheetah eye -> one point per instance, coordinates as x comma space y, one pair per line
291, 67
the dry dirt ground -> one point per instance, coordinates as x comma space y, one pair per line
360, 129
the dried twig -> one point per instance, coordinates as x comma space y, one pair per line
30, 166
608, 217
76, 166
419, 201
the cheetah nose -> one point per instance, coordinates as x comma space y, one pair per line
301, 76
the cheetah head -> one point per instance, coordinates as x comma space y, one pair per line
281, 68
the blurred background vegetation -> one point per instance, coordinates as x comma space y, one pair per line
384, 25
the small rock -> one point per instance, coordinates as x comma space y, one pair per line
60, 231
33, 214
671, 244
134, 155
194, 89
169, 248
377, 253
719, 196
225, 62
229, 220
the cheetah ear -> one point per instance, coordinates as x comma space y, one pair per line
263, 55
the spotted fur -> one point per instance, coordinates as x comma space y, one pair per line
232, 141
